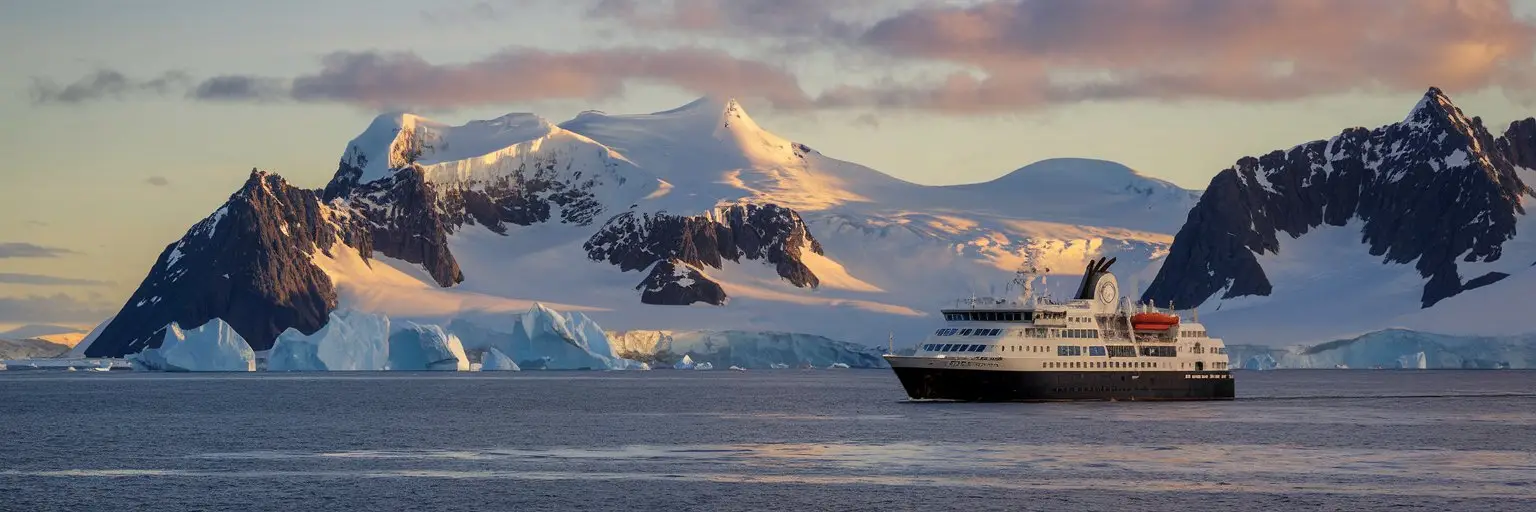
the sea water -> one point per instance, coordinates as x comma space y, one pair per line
755, 440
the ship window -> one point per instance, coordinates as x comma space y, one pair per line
980, 348
939, 332
928, 347
1095, 351
965, 332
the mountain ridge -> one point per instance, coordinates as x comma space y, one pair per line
1437, 195
693, 218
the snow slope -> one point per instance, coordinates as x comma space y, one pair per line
437, 224
894, 250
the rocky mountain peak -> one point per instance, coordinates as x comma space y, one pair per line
1434, 190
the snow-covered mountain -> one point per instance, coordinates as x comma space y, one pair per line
692, 219
1423, 224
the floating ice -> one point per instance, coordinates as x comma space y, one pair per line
425, 347
497, 361
212, 347
350, 340
543, 338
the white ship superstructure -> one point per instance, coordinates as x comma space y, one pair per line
1096, 345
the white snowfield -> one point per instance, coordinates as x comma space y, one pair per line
895, 251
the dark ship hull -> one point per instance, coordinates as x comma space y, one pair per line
1041, 386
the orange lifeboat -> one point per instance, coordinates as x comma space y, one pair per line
1153, 321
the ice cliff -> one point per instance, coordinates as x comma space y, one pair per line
543, 338
1395, 349
211, 347
350, 341
744, 349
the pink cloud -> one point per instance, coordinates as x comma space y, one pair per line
1044, 51
405, 79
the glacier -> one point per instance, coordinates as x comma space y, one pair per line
494, 360
746, 349
426, 347
543, 338
211, 347
350, 341
1395, 349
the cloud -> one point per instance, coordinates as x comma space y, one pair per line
42, 280
239, 88
158, 181
1035, 52
757, 18
460, 13
26, 250
55, 308
405, 80
104, 84
979, 56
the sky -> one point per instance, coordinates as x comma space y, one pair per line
126, 122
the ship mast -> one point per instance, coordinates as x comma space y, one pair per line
1029, 270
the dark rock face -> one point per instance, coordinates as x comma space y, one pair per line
1430, 190
247, 264
674, 283
406, 222
250, 265
525, 197
768, 233
1519, 144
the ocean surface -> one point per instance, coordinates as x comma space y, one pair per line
757, 440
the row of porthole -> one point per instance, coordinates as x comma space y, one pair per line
1118, 365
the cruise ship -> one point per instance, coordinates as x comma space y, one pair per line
1095, 346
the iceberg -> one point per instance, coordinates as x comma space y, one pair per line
497, 361
350, 341
426, 347
686, 363
704, 366
1414, 361
211, 347
543, 338
745, 349
1395, 348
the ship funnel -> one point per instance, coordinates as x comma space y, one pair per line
1096, 269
